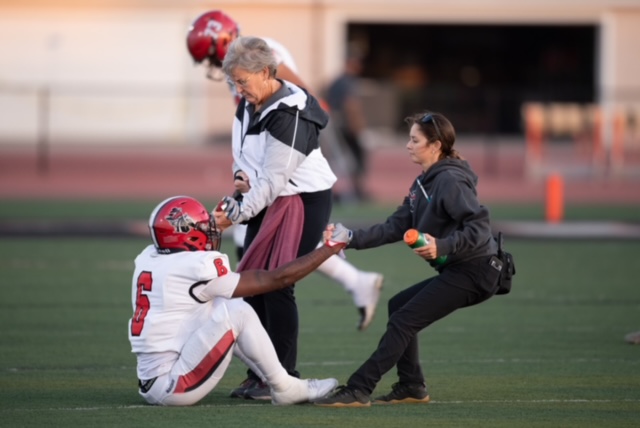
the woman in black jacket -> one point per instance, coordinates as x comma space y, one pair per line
442, 204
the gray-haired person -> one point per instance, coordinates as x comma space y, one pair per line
288, 197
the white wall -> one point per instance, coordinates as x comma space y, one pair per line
110, 73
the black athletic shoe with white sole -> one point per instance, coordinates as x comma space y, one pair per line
344, 396
404, 393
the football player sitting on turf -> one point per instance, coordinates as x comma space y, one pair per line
187, 322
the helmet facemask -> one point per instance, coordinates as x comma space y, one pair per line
214, 236
213, 63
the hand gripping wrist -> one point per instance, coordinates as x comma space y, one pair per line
340, 236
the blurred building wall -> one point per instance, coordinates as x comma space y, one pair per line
620, 61
117, 71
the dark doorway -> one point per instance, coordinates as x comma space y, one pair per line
479, 75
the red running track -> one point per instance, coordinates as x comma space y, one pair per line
205, 172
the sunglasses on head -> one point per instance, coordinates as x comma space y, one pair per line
430, 118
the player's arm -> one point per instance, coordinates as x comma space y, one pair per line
288, 74
254, 282
285, 73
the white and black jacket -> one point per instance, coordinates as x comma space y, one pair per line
278, 148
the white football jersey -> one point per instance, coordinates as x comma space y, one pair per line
169, 296
282, 54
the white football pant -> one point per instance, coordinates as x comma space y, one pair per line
234, 329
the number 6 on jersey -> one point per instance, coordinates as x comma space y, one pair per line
142, 303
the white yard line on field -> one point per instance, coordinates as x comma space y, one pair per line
432, 402
632, 362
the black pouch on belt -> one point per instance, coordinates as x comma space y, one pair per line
508, 268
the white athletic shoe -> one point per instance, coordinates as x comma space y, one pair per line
366, 297
303, 390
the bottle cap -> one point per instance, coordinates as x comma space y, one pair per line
411, 236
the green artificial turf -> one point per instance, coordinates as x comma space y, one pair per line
550, 354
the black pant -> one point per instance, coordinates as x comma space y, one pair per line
354, 145
277, 310
415, 308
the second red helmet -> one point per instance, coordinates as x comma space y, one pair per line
210, 35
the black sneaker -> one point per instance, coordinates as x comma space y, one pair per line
242, 389
404, 393
344, 396
258, 391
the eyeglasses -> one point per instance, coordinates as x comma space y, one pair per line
429, 117
243, 83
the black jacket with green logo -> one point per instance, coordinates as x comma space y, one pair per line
443, 203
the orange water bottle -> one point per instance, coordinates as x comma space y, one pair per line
416, 239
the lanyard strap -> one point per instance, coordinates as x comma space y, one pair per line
424, 192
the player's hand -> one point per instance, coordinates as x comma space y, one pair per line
231, 208
337, 235
222, 222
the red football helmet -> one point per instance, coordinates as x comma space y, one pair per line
181, 223
210, 35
